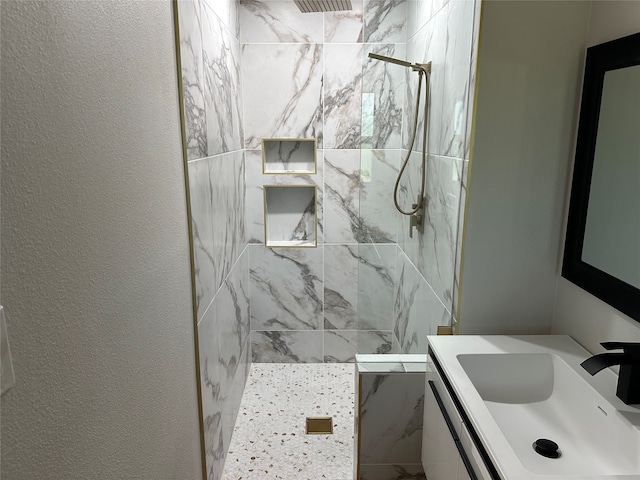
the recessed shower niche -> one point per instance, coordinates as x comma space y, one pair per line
289, 155
290, 218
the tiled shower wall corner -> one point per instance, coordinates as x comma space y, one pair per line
210, 58
308, 75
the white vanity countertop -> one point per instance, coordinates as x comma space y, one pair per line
509, 465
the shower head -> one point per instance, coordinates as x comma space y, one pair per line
308, 6
425, 67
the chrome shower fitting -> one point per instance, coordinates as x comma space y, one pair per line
310, 6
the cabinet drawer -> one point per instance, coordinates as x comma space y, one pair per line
473, 455
449, 406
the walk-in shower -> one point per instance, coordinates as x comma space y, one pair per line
417, 209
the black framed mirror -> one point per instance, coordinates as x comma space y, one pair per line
602, 245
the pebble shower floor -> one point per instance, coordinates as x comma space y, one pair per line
269, 439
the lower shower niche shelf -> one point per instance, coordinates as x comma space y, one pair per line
290, 218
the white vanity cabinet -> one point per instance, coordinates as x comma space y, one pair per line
448, 450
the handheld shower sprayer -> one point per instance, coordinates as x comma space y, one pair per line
417, 209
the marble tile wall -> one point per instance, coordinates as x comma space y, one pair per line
443, 32
325, 304
212, 97
390, 405
316, 80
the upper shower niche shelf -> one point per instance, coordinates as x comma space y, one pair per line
289, 155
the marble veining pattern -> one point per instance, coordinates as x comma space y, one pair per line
385, 21
294, 346
391, 411
202, 230
287, 101
278, 22
392, 472
383, 86
284, 224
342, 345
192, 79
255, 180
456, 77
342, 94
223, 96
418, 311
342, 196
223, 335
378, 172
269, 439
344, 26
286, 288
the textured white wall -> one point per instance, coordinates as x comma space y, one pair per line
578, 313
95, 264
528, 83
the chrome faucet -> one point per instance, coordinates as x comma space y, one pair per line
629, 360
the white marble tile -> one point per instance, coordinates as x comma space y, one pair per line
222, 93
282, 92
378, 172
342, 95
428, 45
255, 180
472, 76
269, 440
223, 344
278, 21
456, 77
286, 346
341, 286
383, 93
459, 236
391, 411
342, 345
290, 215
376, 286
385, 21
437, 253
227, 12
342, 222
226, 177
359, 287
289, 156
286, 288
189, 24
420, 12
201, 192
212, 396
392, 472
417, 309
344, 26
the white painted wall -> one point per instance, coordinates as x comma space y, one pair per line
578, 313
95, 263
529, 75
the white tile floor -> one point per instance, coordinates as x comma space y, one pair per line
269, 440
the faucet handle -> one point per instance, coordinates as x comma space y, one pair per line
629, 348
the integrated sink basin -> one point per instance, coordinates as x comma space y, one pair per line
517, 390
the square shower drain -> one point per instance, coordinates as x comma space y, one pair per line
319, 425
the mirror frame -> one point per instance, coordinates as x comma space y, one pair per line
620, 53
